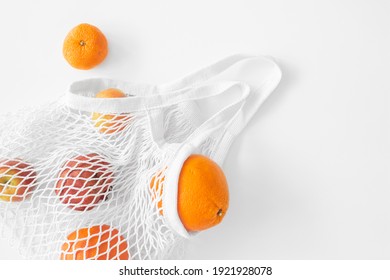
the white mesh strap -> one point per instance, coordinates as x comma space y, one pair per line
84, 100
256, 97
254, 90
265, 77
203, 74
237, 92
223, 118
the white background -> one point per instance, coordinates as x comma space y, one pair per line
309, 176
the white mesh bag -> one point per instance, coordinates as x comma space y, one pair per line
78, 176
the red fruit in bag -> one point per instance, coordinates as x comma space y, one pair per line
17, 180
84, 181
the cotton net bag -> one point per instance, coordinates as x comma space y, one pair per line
71, 188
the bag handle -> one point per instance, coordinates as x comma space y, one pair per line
81, 96
234, 117
203, 74
236, 91
205, 83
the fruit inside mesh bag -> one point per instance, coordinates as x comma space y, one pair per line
114, 170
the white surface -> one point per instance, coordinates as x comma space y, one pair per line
309, 176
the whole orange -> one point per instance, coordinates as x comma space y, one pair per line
110, 123
203, 193
100, 242
85, 47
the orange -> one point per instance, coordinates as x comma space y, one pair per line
108, 123
100, 242
203, 193
156, 185
85, 47
110, 93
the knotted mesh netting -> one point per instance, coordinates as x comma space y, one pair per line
83, 180
74, 176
